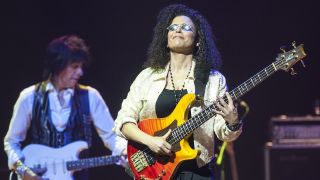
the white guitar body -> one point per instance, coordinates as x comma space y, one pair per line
54, 159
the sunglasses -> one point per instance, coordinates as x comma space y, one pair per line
184, 27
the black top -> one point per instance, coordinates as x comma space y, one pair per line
165, 104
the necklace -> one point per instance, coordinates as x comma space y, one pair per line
174, 89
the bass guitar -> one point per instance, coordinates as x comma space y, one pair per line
145, 164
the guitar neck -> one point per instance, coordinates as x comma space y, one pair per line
92, 162
200, 118
254, 81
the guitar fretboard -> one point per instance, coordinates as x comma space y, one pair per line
92, 162
193, 123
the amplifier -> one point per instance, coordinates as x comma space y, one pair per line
285, 162
295, 130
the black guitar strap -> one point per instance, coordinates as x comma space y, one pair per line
83, 104
199, 88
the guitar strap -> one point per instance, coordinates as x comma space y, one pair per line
199, 88
198, 135
83, 104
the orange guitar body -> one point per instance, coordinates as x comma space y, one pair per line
163, 167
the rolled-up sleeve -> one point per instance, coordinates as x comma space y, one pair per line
223, 132
133, 103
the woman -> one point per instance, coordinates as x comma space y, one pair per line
182, 58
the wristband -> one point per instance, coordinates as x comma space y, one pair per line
234, 127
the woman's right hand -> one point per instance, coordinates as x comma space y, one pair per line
159, 144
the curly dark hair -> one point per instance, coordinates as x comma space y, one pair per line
207, 56
63, 51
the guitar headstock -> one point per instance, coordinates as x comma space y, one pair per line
287, 59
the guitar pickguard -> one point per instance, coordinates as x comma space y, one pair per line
173, 125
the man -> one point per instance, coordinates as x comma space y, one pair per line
59, 111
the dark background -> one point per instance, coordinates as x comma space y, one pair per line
249, 34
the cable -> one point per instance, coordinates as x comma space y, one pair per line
10, 175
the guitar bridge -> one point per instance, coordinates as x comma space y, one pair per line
141, 160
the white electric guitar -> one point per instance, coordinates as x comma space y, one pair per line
62, 162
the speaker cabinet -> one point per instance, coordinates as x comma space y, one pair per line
292, 162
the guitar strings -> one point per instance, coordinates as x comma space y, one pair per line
261, 75
236, 93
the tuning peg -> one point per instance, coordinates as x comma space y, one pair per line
303, 65
282, 49
294, 44
292, 71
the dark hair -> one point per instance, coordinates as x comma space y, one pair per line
63, 51
207, 56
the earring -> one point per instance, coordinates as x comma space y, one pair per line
198, 47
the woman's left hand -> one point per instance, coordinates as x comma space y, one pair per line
227, 109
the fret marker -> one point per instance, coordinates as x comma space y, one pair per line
274, 67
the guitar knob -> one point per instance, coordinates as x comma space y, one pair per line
294, 44
303, 65
159, 177
293, 72
282, 49
163, 172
